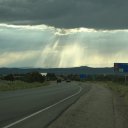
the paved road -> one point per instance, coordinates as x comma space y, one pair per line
37, 107
101, 108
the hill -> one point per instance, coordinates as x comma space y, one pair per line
73, 70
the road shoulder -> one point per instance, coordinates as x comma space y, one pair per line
99, 108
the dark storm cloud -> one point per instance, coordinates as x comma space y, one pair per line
100, 14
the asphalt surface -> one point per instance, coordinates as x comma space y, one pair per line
37, 107
98, 108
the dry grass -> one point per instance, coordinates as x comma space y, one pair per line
121, 89
6, 85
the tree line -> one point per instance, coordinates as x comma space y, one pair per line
37, 77
29, 77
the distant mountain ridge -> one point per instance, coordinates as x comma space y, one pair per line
73, 70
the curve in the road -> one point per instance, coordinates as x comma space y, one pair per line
44, 109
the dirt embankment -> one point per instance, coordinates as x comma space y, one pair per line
99, 108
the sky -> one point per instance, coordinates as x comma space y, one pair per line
59, 33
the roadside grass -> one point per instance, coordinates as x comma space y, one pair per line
120, 88
16, 85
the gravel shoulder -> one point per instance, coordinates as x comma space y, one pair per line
99, 108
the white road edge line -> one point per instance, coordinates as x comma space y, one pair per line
27, 117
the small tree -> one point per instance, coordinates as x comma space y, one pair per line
51, 76
9, 77
34, 77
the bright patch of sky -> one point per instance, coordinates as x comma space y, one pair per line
47, 46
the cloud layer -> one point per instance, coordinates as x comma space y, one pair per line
98, 14
45, 46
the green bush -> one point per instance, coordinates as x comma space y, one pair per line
34, 77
